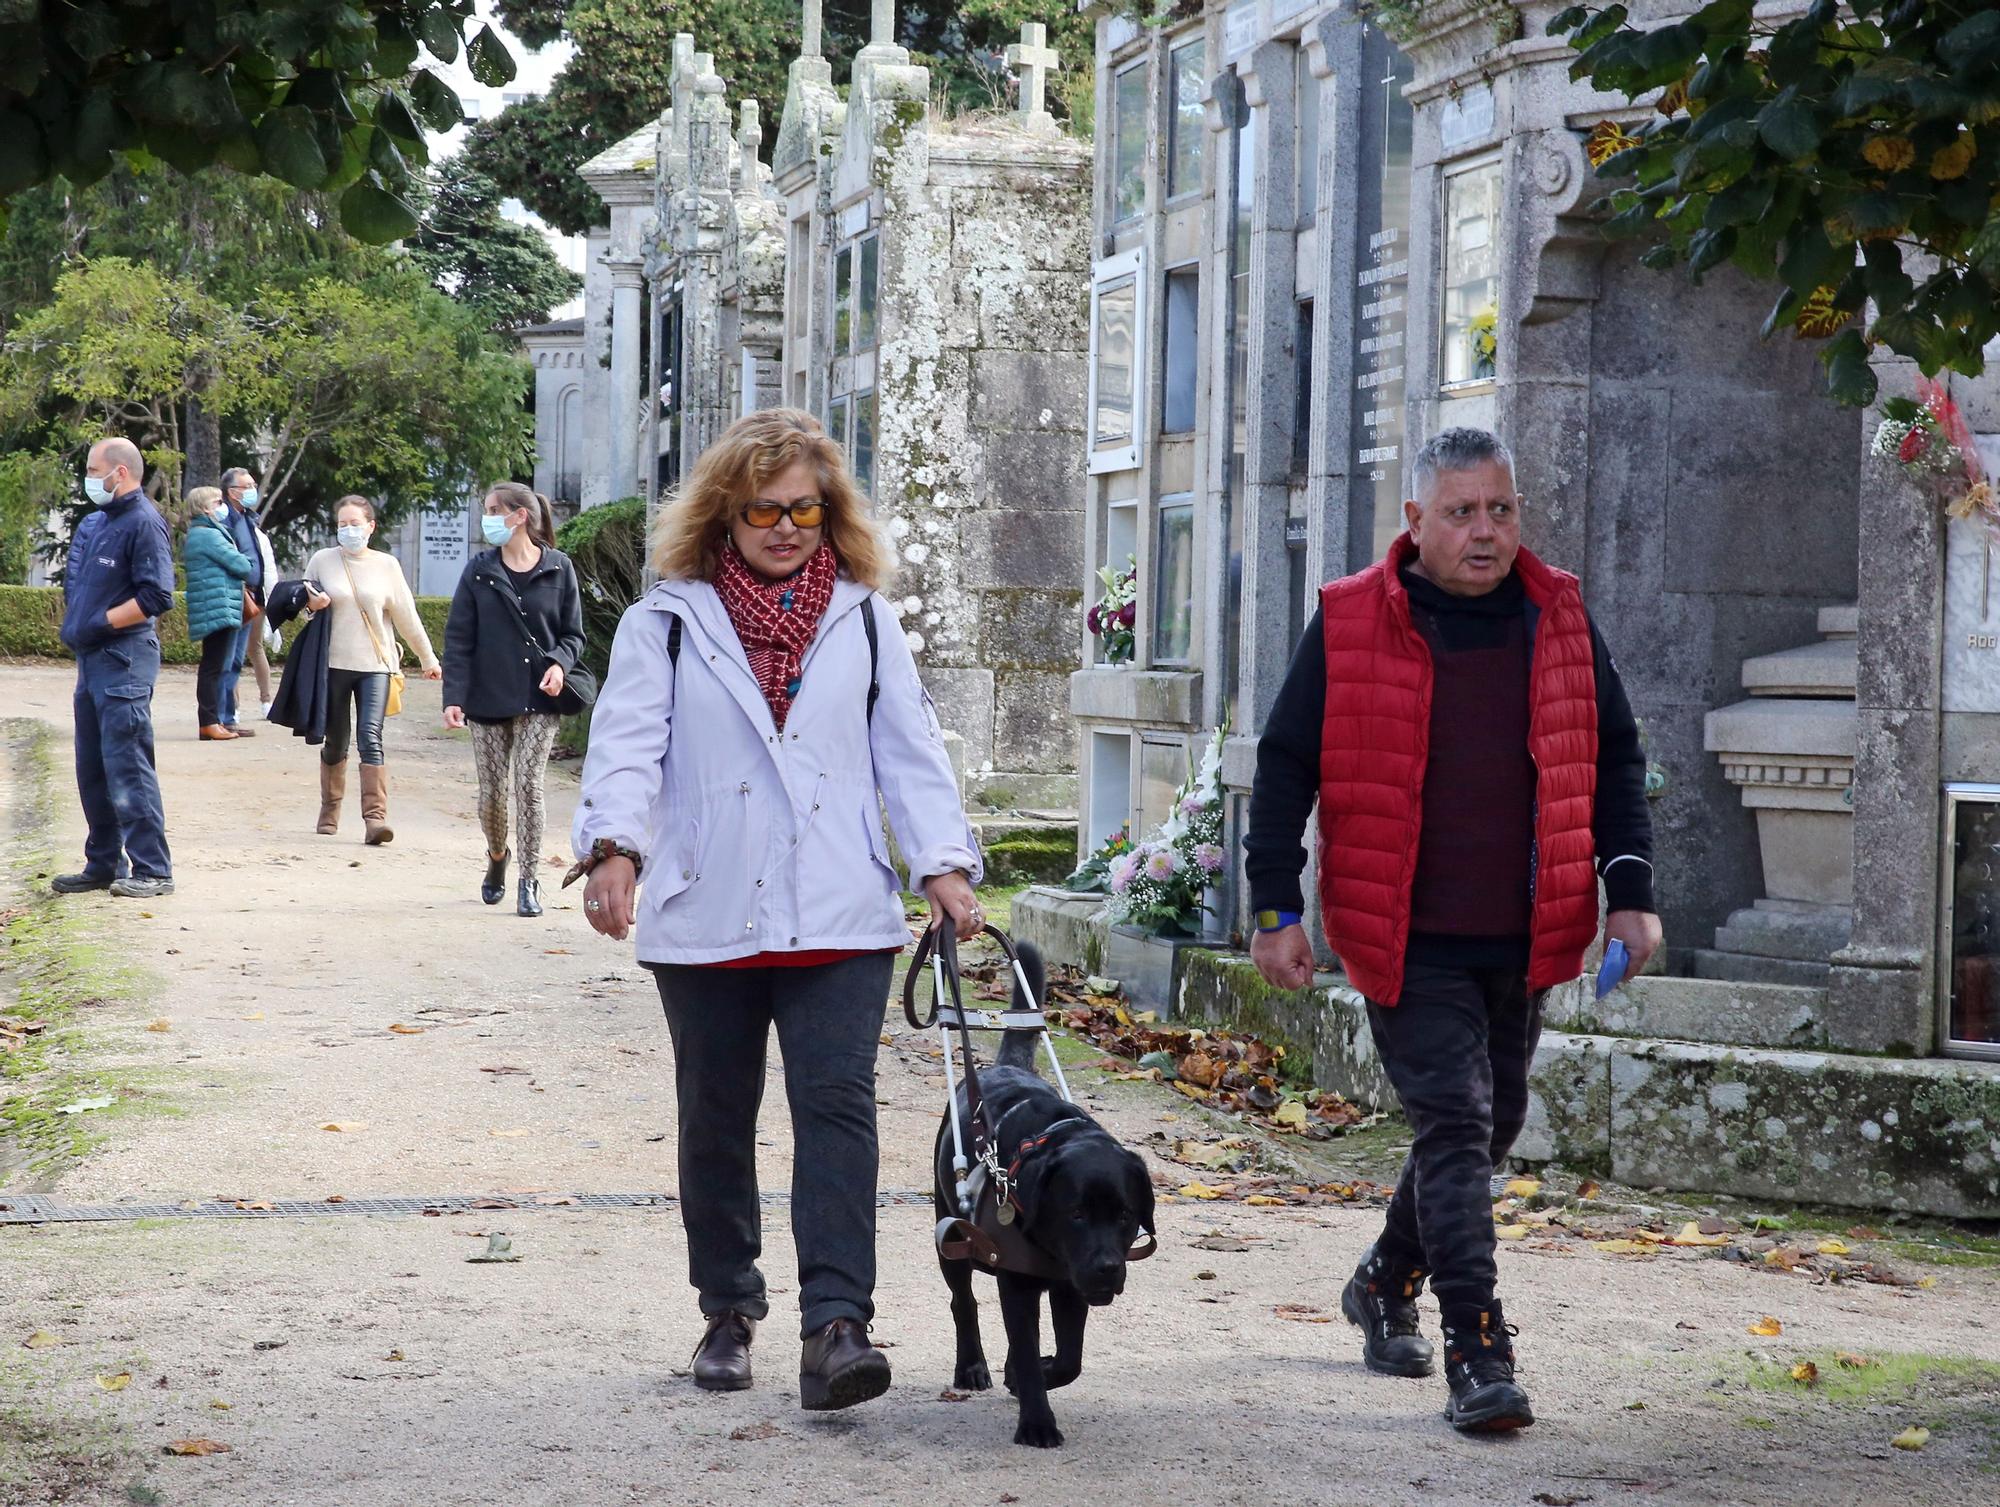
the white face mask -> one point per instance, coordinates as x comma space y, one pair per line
219, 512
353, 537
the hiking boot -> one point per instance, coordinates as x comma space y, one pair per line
332, 791
531, 897
141, 888
1381, 1299
375, 805
1479, 1367
838, 1367
494, 885
722, 1359
77, 884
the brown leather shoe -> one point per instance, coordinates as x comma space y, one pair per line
722, 1359
838, 1367
215, 732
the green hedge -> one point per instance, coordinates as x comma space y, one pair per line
31, 619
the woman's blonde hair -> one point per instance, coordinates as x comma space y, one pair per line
201, 499
690, 531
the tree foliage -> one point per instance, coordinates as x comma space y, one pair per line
1850, 155
622, 74
324, 95
468, 250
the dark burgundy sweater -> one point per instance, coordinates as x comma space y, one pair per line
1471, 898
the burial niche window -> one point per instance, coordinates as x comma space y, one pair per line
1173, 581
1128, 142
1117, 324
1471, 277
1182, 358
851, 388
1970, 996
1306, 111
1187, 125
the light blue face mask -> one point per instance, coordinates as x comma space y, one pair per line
96, 490
353, 538
248, 499
496, 529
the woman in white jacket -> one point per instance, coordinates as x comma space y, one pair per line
761, 709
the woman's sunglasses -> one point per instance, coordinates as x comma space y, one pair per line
767, 514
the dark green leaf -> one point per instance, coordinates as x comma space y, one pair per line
1984, 252
1888, 284
370, 213
1863, 90
440, 31
1781, 313
1900, 408
239, 150
1607, 21
1811, 260
435, 101
394, 117
1709, 249
1972, 44
489, 59
23, 158
1567, 20
1742, 202
1659, 258
1789, 127
385, 158
179, 147
395, 48
288, 142
354, 148
1912, 335
1850, 380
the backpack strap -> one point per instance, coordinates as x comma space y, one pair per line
874, 654
674, 640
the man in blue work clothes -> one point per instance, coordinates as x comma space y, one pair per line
239, 489
119, 579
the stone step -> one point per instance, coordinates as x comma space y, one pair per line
1787, 929
1827, 668
1726, 1012
1746, 968
1027, 848
1840, 622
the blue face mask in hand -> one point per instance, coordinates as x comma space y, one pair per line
496, 529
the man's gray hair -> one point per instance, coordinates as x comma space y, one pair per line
1457, 450
232, 476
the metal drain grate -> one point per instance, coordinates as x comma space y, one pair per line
34, 1208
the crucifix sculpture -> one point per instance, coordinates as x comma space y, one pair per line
809, 31
1035, 60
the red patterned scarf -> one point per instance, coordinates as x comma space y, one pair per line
776, 620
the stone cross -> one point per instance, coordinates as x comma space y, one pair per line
809, 43
882, 23
683, 54
750, 128
1035, 60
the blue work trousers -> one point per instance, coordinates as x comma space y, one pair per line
115, 774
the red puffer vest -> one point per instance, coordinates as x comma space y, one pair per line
1374, 746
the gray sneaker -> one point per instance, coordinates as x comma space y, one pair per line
137, 888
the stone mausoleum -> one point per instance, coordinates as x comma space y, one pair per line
1313, 247
918, 282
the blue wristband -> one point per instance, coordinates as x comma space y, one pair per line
1276, 920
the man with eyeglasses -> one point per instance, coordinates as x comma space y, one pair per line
1477, 766
239, 489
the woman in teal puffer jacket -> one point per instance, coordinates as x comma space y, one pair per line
216, 572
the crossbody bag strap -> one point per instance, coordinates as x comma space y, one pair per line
874, 654
373, 642
521, 617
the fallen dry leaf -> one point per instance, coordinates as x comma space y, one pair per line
1853, 1361
258, 1016
947, 1395
115, 1383
394, 1355
1301, 1313
159, 1025
195, 1447
1587, 1189
41, 1339
345, 1125
1624, 1247
1511, 1231
1291, 1115
1767, 1327
402, 1030
1199, 1190
220, 1406
1912, 1437
764, 1430
502, 1070
1805, 1371
1691, 1234
555, 952
1219, 1242
1522, 1187
1832, 1247
1264, 1201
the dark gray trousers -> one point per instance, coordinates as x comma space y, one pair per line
829, 1020
1457, 1048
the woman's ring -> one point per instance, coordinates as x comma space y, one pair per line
593, 905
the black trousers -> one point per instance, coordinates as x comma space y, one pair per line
829, 1020
368, 690
217, 650
1457, 1048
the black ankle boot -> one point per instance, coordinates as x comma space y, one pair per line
1479, 1367
1381, 1298
494, 885
531, 897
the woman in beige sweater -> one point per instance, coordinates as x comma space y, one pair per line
370, 603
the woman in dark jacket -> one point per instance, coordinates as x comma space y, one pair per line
514, 636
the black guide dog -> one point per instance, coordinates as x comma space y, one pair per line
1080, 1198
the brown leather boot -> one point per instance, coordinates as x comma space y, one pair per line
838, 1367
722, 1359
215, 732
375, 805
332, 791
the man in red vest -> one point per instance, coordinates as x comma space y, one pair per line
1458, 719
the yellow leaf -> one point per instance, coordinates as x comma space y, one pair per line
1587, 1189
1190, 1090
196, 1447
1510, 1231
345, 1125
1805, 1371
258, 1016
1200, 1190
506, 1134
1690, 1234
1853, 1361
117, 1383
1653, 1237
1147, 1018
1624, 1247
1264, 1201
1832, 1247
1522, 1187
1118, 1013
159, 1025
220, 1406
41, 1339
1912, 1437
403, 1030
1291, 1115
1927, 1282
1767, 1326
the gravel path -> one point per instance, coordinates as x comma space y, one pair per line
361, 1361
